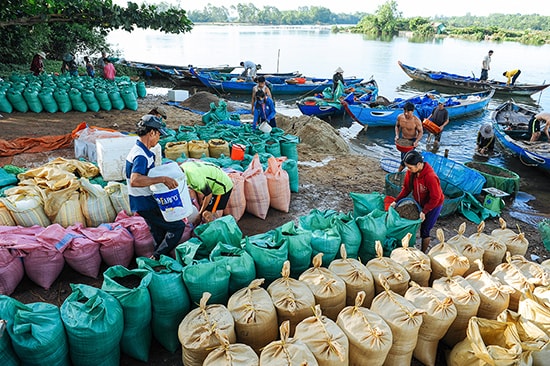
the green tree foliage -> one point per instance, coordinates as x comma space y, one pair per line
210, 13
384, 22
59, 26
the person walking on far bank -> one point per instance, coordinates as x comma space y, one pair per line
511, 76
139, 162
486, 66
409, 127
421, 180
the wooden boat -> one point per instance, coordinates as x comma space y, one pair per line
278, 85
327, 104
469, 82
458, 106
510, 125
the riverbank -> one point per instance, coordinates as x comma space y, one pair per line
328, 172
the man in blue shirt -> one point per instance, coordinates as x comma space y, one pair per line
264, 110
139, 162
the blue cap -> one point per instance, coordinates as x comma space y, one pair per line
442, 100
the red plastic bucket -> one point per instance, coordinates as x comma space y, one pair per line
237, 151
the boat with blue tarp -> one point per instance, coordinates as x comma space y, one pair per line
458, 106
442, 78
329, 103
511, 128
279, 85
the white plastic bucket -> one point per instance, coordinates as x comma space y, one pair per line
175, 204
265, 127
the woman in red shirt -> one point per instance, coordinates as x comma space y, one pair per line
421, 180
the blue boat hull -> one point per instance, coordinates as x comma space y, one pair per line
516, 140
278, 85
321, 110
387, 116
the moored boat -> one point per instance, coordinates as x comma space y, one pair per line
278, 85
442, 78
458, 106
329, 104
511, 128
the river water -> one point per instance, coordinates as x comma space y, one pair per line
315, 51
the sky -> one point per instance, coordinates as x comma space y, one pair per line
409, 8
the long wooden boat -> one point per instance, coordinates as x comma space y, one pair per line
328, 104
511, 127
278, 85
458, 106
469, 82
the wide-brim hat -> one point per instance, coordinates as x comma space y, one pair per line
486, 131
153, 122
41, 54
67, 57
339, 69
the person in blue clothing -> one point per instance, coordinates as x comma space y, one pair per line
139, 162
264, 110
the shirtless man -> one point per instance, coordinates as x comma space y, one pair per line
410, 127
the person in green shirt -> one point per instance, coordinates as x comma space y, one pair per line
210, 181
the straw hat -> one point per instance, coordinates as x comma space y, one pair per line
339, 69
486, 130
41, 54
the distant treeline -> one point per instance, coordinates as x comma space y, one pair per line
387, 21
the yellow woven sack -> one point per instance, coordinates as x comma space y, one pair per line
384, 268
5, 216
370, 337
218, 147
96, 204
489, 342
254, 314
236, 354
70, 212
459, 240
356, 277
466, 301
494, 296
198, 148
415, 262
510, 274
329, 289
440, 314
444, 256
404, 320
175, 149
324, 338
494, 250
293, 299
204, 329
26, 210
516, 243
287, 351
118, 195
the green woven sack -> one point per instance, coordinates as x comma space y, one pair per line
373, 228
349, 233
208, 276
365, 203
76, 100
48, 101
15, 97
103, 99
129, 98
273, 147
169, 299
268, 255
31, 96
116, 99
91, 102
63, 101
141, 90
291, 167
5, 105
36, 331
544, 230
398, 227
129, 287
299, 246
224, 230
94, 323
238, 261
7, 354
289, 146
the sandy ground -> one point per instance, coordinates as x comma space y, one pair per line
328, 172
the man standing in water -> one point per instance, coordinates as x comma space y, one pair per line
410, 128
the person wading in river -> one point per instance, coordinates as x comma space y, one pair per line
410, 128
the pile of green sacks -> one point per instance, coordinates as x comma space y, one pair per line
64, 93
